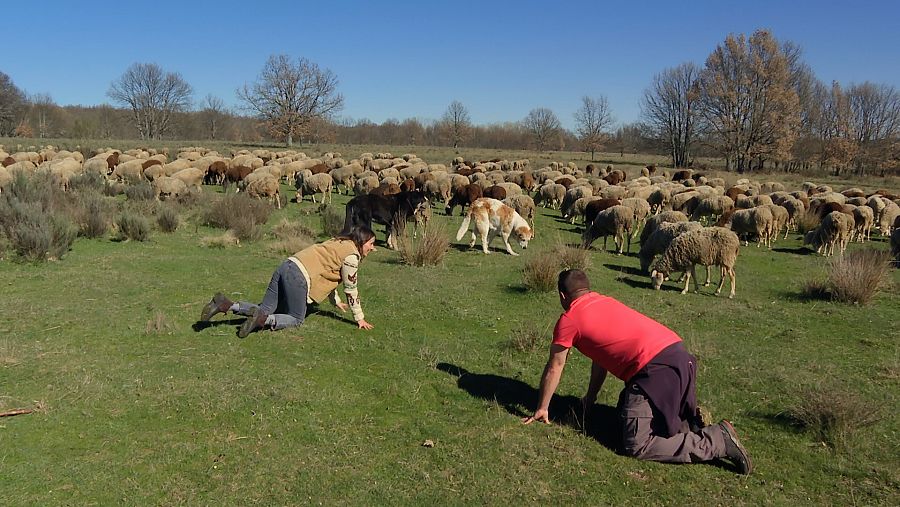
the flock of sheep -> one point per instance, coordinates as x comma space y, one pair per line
684, 218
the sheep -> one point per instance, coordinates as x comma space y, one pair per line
757, 221
524, 206
657, 242
593, 208
780, 218
552, 194
795, 209
655, 221
641, 210
365, 184
167, 186
888, 215
344, 176
579, 207
441, 189
710, 246
512, 189
835, 229
713, 206
265, 185
895, 245
192, 177
617, 220
95, 165
129, 172
313, 184
864, 219
572, 195
659, 199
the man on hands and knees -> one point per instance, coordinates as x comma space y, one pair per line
658, 406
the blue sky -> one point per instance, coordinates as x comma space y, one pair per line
412, 58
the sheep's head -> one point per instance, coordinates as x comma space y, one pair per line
657, 278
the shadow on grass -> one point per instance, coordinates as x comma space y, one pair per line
780, 419
514, 395
796, 251
628, 270
201, 325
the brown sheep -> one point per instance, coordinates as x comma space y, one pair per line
464, 197
593, 208
112, 161
149, 163
682, 175
8, 161
215, 173
235, 174
495, 192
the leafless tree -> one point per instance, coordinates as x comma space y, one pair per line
543, 125
875, 113
746, 102
592, 123
153, 96
287, 96
214, 115
43, 112
456, 123
669, 110
12, 102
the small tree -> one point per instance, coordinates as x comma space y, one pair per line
214, 115
456, 122
668, 109
12, 102
543, 125
287, 96
593, 120
153, 95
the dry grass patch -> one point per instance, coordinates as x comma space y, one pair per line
332, 220
854, 278
225, 240
159, 324
833, 415
530, 337
428, 250
291, 237
240, 213
541, 271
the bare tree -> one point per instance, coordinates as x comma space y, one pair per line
457, 123
214, 115
746, 102
543, 125
875, 113
43, 111
669, 110
12, 102
593, 121
153, 96
835, 129
287, 96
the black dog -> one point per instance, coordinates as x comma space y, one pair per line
387, 210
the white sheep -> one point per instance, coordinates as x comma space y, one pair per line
320, 183
757, 221
660, 239
551, 195
710, 246
167, 186
655, 221
888, 215
524, 206
835, 230
617, 220
864, 219
641, 210
265, 186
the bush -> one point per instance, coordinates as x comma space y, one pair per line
291, 237
31, 220
832, 415
93, 222
87, 181
572, 257
429, 250
541, 271
239, 213
113, 189
530, 337
858, 276
167, 219
133, 226
140, 192
225, 240
332, 220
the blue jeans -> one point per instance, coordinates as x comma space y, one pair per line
285, 299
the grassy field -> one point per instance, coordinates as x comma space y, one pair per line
138, 405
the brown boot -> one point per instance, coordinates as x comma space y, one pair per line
218, 304
253, 323
734, 451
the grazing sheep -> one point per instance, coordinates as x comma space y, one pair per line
165, 187
617, 220
835, 230
780, 218
313, 184
657, 242
365, 185
593, 208
524, 206
192, 177
756, 221
710, 246
579, 207
572, 195
888, 215
655, 221
864, 219
552, 194
659, 199
265, 185
641, 210
795, 209
712, 208
129, 172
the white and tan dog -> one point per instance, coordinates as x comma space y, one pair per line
491, 217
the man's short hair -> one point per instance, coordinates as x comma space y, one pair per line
572, 280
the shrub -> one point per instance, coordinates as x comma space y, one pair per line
572, 257
857, 276
429, 250
529, 337
133, 226
238, 212
541, 271
113, 189
225, 240
87, 181
93, 222
140, 192
291, 237
167, 219
34, 229
832, 415
332, 220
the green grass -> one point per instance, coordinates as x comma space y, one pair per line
135, 407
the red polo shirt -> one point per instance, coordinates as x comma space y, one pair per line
619, 339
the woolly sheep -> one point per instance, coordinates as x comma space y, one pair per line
511, 188
617, 220
864, 219
524, 206
655, 221
756, 221
344, 176
167, 186
641, 210
888, 215
320, 183
835, 230
265, 186
192, 177
712, 208
551, 194
130, 172
578, 208
657, 242
365, 184
572, 195
780, 218
659, 199
710, 246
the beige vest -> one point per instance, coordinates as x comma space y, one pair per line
323, 264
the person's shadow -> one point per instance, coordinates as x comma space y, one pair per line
600, 423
